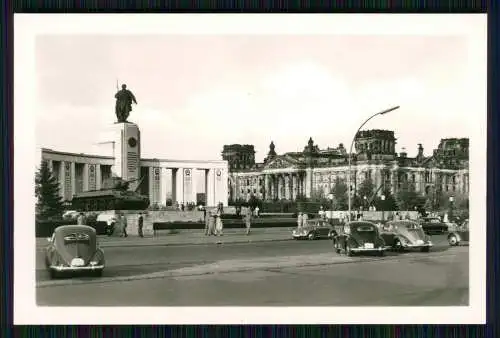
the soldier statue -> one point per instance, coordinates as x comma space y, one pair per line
123, 107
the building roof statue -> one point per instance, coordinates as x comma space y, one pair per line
271, 152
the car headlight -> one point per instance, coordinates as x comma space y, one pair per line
98, 258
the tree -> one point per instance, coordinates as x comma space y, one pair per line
389, 204
366, 189
407, 198
339, 192
49, 203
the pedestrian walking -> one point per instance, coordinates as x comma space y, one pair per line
248, 219
124, 225
299, 220
80, 220
305, 217
206, 219
211, 222
219, 226
140, 224
321, 212
182, 206
256, 211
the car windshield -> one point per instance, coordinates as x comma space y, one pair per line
409, 225
364, 228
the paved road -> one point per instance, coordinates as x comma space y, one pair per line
126, 261
292, 273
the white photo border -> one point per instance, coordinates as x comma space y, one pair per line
27, 157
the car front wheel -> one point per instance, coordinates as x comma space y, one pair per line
425, 249
311, 236
53, 274
336, 246
96, 273
348, 250
397, 245
453, 240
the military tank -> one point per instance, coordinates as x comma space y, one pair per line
115, 195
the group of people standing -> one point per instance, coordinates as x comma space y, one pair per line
302, 219
213, 221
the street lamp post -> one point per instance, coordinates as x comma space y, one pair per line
383, 207
450, 218
331, 197
350, 153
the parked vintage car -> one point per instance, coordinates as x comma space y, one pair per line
359, 237
110, 220
433, 225
74, 248
315, 229
459, 234
405, 234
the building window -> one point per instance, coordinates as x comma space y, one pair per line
413, 178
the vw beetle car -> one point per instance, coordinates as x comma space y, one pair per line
359, 237
405, 234
315, 229
73, 248
459, 234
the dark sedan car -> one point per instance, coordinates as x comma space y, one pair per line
73, 248
401, 235
359, 237
433, 225
315, 229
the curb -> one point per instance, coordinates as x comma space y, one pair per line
126, 245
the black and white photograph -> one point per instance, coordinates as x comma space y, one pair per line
250, 169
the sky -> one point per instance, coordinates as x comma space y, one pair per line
196, 93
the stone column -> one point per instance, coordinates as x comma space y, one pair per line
50, 165
210, 188
163, 186
173, 173
394, 181
85, 177
193, 191
98, 177
180, 185
294, 186
308, 182
60, 178
151, 192
266, 187
286, 183
281, 186
73, 180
